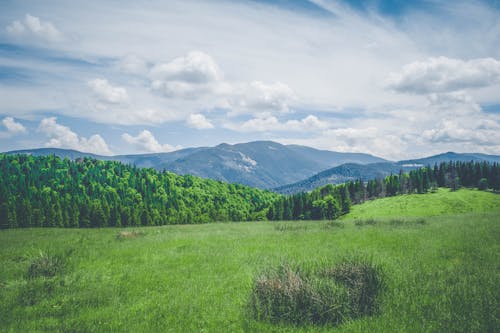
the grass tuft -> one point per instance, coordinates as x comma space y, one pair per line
129, 234
368, 221
45, 265
333, 224
289, 227
331, 295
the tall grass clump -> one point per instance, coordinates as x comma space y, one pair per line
318, 296
45, 265
126, 234
364, 282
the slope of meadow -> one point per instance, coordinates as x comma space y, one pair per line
441, 202
441, 272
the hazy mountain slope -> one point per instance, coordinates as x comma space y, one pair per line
352, 171
262, 164
342, 174
333, 159
451, 156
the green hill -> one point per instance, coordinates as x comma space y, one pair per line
441, 202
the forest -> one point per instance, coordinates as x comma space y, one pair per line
330, 202
48, 191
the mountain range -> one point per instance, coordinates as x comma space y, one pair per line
268, 165
352, 171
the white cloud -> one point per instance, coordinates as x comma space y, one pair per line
133, 64
478, 132
145, 141
186, 77
199, 121
268, 123
457, 102
32, 26
12, 126
259, 97
63, 137
107, 93
336, 64
442, 74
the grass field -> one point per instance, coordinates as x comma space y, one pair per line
442, 273
441, 202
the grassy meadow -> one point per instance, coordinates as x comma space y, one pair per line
439, 254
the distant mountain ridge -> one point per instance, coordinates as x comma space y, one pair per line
286, 169
261, 164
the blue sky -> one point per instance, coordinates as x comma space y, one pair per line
398, 79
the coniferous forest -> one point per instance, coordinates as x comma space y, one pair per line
330, 202
52, 192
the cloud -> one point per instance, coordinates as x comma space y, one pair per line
32, 26
186, 77
198, 121
107, 93
258, 97
63, 137
145, 141
482, 132
457, 102
268, 123
442, 74
12, 126
132, 64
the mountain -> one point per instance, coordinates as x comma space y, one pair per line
261, 164
342, 174
451, 156
352, 171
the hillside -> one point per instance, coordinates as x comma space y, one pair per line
342, 174
46, 191
261, 164
441, 202
451, 156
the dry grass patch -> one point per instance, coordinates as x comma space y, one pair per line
126, 234
320, 296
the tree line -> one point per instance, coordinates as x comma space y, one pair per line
330, 202
48, 191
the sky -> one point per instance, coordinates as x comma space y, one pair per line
397, 79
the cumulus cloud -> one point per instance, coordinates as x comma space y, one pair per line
186, 77
63, 137
264, 97
32, 26
268, 123
145, 141
477, 132
457, 102
199, 121
12, 126
442, 74
107, 93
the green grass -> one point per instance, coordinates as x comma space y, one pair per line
441, 276
442, 202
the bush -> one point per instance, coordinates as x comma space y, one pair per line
45, 265
319, 296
